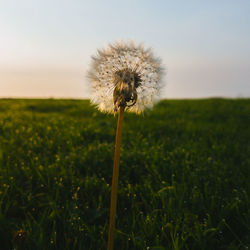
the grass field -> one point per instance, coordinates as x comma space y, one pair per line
183, 184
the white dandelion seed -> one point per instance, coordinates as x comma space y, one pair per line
125, 75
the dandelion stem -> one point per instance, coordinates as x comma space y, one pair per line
115, 180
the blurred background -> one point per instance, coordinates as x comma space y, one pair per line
45, 46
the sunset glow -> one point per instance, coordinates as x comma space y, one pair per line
45, 46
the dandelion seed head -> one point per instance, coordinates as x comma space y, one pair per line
125, 75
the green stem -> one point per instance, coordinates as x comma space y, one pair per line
115, 180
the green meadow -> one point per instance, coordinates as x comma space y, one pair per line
184, 178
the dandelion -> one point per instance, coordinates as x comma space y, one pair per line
124, 76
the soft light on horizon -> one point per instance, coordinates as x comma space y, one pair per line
45, 47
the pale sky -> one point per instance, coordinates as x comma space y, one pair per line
45, 46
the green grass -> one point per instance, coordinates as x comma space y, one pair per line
183, 184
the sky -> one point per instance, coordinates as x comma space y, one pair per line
46, 46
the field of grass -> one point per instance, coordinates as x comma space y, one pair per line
183, 183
